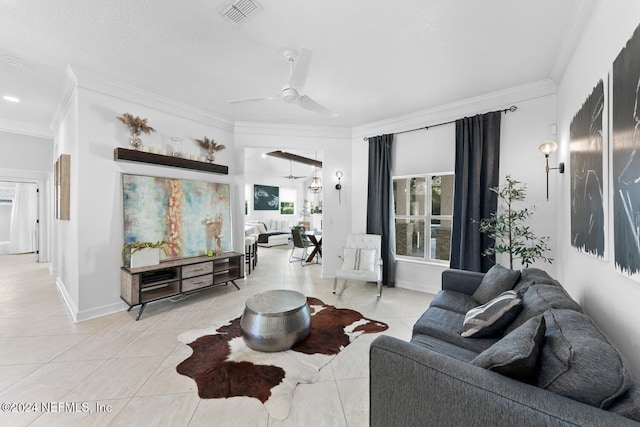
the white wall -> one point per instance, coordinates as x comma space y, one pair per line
90, 243
433, 150
609, 297
333, 143
29, 158
5, 222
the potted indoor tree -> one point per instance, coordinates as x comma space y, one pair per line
143, 254
508, 228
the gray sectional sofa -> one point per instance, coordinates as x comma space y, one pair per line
542, 363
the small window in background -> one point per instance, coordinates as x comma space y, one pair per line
6, 195
421, 201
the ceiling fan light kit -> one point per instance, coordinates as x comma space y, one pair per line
290, 93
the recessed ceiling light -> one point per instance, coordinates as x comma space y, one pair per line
10, 98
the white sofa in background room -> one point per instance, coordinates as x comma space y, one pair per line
270, 232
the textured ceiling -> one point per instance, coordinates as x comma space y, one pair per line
372, 59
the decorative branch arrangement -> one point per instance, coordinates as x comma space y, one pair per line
214, 233
211, 147
135, 125
509, 230
133, 247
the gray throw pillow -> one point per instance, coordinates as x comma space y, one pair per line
539, 298
516, 354
578, 362
492, 318
497, 280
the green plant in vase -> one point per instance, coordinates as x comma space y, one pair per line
134, 247
512, 235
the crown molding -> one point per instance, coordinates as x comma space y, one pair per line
579, 20
67, 96
22, 128
104, 86
252, 128
455, 110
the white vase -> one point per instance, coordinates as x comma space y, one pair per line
144, 257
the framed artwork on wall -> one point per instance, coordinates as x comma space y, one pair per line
287, 208
193, 215
588, 203
62, 178
625, 156
266, 198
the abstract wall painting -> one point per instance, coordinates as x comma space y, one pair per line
626, 157
266, 198
194, 215
587, 175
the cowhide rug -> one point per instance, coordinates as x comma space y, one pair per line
223, 366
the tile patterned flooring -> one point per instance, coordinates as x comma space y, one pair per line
124, 370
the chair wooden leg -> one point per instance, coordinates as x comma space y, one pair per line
379, 289
335, 286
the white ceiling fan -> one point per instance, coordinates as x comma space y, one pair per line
291, 176
298, 70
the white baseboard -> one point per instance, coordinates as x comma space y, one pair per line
101, 311
71, 305
80, 316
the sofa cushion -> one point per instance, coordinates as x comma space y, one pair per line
447, 326
454, 301
539, 298
516, 354
443, 347
492, 318
534, 276
497, 280
577, 361
628, 405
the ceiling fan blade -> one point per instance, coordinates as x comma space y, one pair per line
300, 69
309, 104
241, 101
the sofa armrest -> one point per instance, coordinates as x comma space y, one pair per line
414, 386
461, 281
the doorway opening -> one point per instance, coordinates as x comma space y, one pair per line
19, 218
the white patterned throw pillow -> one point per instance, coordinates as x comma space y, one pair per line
358, 259
492, 318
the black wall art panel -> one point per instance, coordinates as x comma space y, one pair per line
626, 156
266, 198
587, 201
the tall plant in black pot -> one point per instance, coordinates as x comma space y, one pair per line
508, 228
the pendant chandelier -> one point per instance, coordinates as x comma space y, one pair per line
316, 183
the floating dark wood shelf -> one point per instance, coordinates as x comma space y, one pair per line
124, 154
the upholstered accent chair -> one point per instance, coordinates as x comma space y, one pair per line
361, 260
300, 241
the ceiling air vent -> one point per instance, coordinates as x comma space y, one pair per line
237, 11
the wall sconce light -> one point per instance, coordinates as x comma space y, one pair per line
547, 148
339, 174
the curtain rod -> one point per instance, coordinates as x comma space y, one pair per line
506, 110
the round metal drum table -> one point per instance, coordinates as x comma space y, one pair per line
275, 320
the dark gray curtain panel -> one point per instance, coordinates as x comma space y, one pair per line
477, 170
380, 203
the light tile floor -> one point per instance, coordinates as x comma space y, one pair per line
124, 371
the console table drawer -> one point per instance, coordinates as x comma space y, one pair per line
197, 269
196, 283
